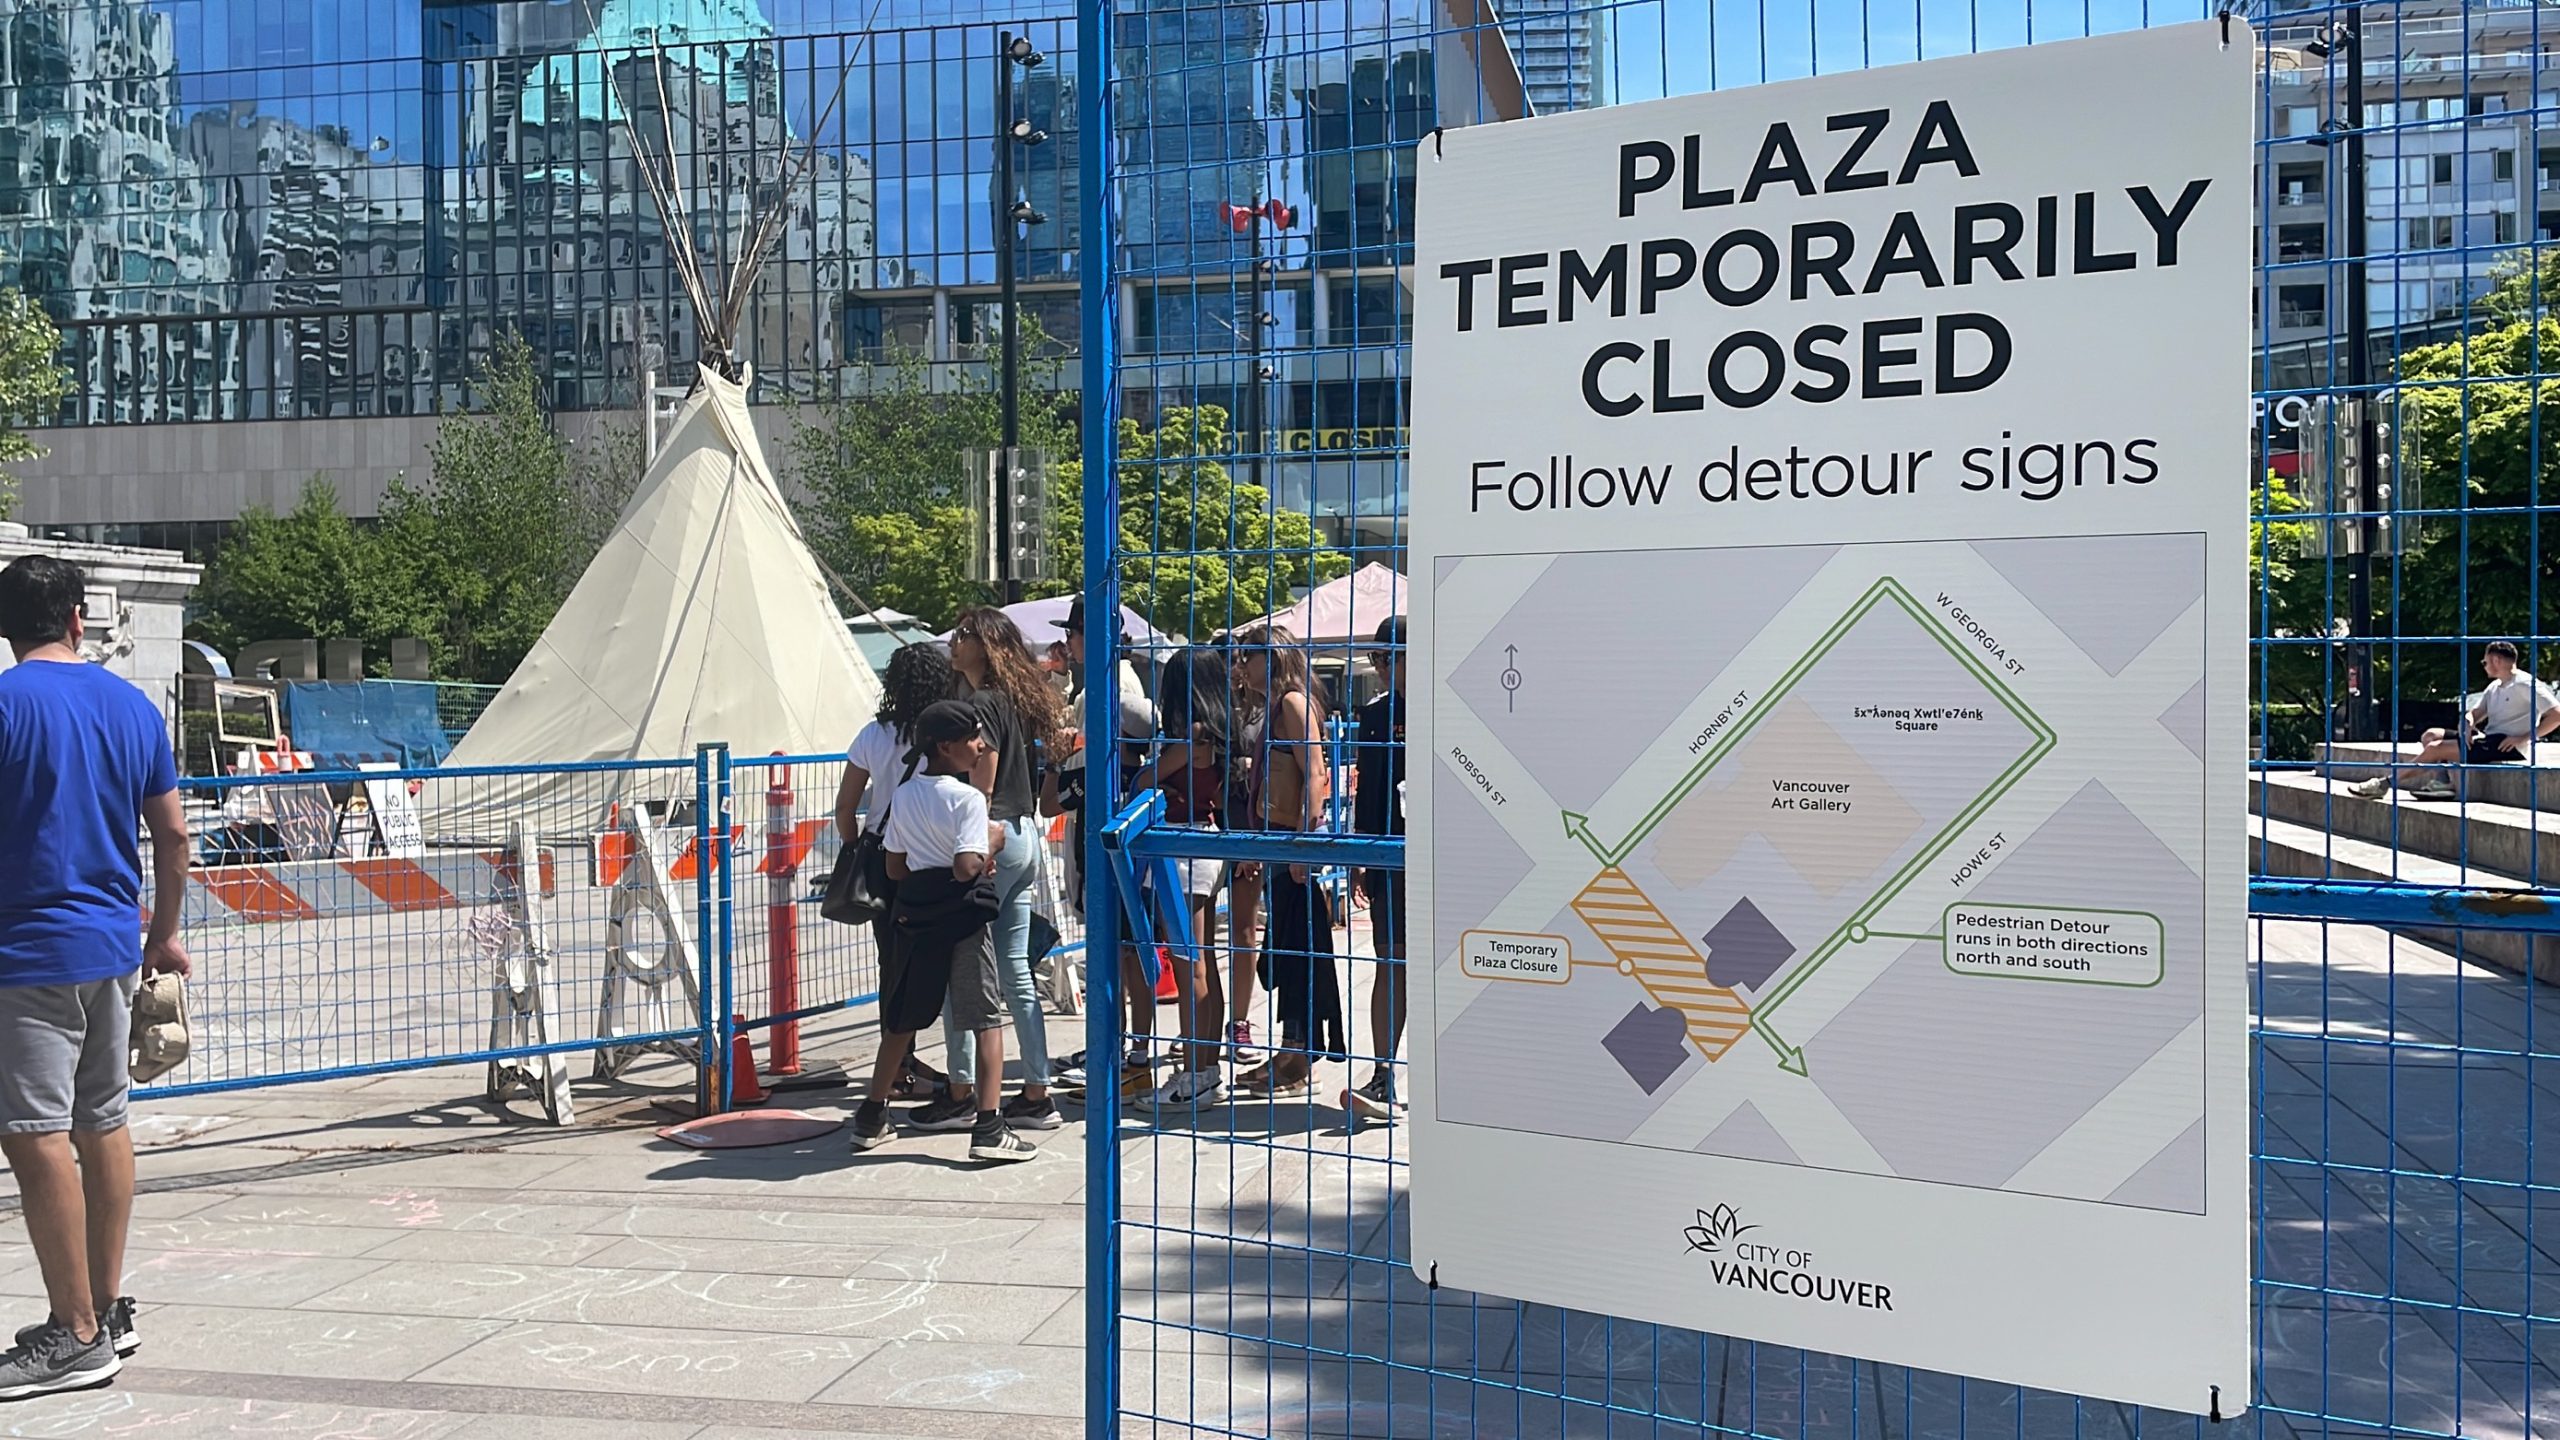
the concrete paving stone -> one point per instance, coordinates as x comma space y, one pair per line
1303, 1330
2362, 1364
300, 1342
742, 1365
202, 1232
991, 1261
254, 1167
885, 1307
1027, 1264
131, 1408
958, 1375
405, 1208
216, 1277
172, 1204
500, 1170
913, 1167
758, 1432
552, 1427
953, 1226
744, 1257
486, 1247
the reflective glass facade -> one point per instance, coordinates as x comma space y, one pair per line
281, 209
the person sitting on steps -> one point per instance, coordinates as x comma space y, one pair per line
2501, 729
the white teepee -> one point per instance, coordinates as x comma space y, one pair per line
703, 618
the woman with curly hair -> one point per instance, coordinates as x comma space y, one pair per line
918, 676
1020, 713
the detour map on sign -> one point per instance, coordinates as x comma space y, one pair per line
1852, 857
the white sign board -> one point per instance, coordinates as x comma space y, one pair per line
1829, 527
395, 814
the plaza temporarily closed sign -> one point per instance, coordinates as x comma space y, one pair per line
1829, 534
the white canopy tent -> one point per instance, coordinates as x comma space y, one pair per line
703, 618
1345, 611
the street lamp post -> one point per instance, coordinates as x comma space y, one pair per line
2345, 40
1249, 220
1012, 52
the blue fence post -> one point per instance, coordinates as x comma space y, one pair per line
717, 855
705, 994
1098, 321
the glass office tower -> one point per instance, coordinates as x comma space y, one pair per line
311, 219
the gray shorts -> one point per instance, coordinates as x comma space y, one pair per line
976, 999
65, 1053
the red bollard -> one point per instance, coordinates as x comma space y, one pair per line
782, 921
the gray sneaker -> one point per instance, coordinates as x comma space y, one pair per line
53, 1360
2373, 789
119, 1322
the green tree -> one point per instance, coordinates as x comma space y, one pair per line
2480, 409
881, 474
507, 521
2285, 674
309, 572
1202, 553
32, 384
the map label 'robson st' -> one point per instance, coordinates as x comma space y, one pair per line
1854, 454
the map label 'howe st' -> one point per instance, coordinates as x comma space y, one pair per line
1851, 953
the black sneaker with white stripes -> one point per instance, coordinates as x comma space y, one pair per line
943, 1115
1040, 1114
998, 1144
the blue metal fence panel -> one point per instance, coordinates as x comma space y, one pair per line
331, 939
1248, 1261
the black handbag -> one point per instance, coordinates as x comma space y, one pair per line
860, 890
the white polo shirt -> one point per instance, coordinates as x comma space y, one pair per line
2515, 705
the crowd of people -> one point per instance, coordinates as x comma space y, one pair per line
976, 743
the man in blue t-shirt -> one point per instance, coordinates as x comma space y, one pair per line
83, 758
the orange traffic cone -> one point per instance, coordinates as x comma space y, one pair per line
744, 1087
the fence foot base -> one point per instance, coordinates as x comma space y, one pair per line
649, 960
520, 1002
544, 1078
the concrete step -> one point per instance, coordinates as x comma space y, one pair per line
2278, 847
2515, 842
2526, 787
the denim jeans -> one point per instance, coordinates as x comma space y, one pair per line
1012, 937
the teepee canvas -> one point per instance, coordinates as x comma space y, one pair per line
703, 618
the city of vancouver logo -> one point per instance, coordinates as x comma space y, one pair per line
1776, 1270
1717, 1229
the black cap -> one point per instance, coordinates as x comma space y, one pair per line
1074, 623
1390, 632
944, 721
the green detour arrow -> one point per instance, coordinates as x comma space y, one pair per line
1577, 826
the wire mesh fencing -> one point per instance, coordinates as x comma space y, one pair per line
1251, 1255
553, 923
355, 922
